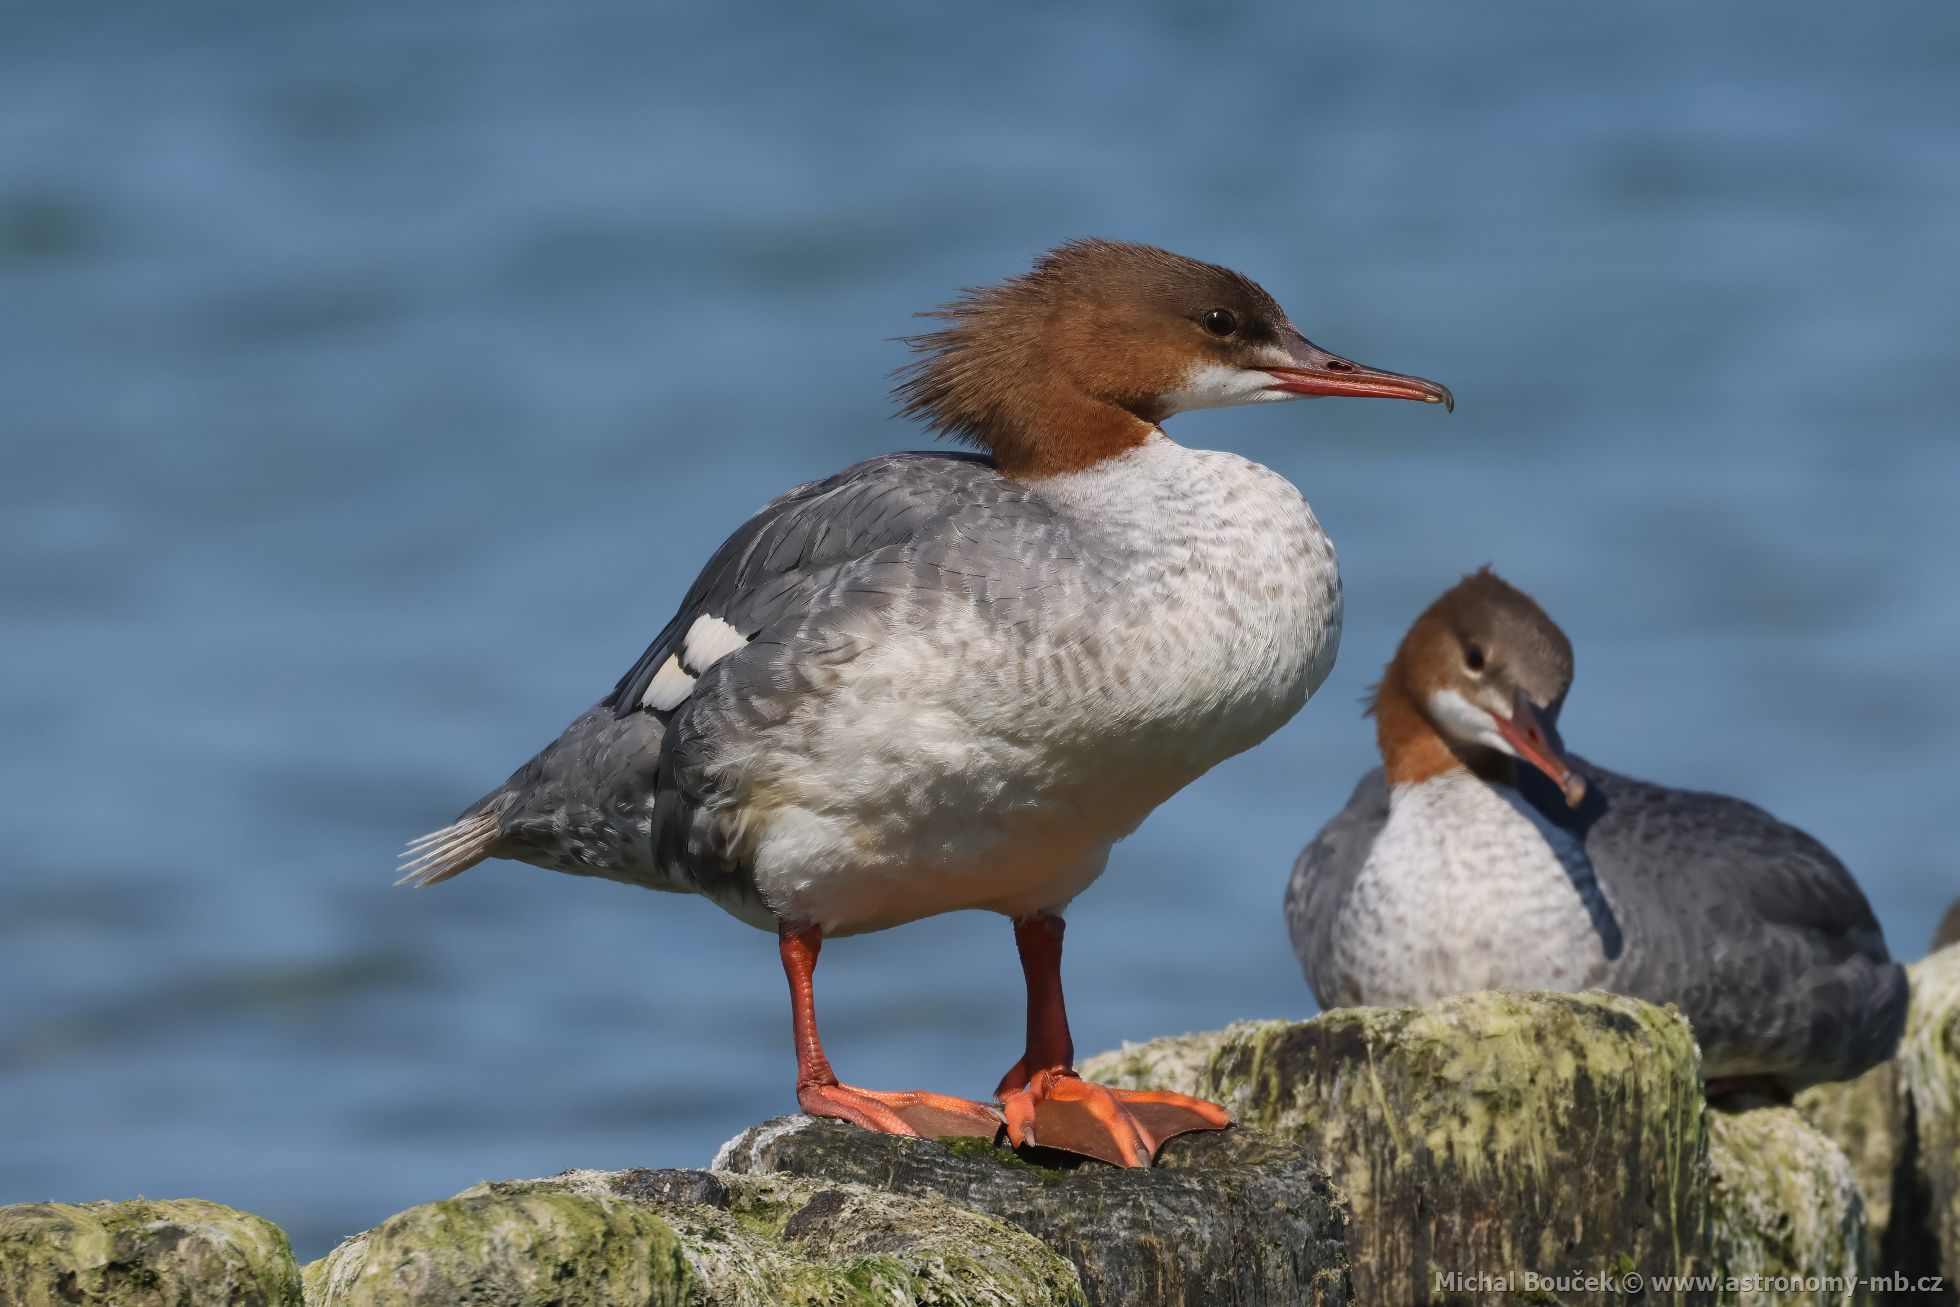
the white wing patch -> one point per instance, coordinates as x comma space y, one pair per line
708, 639
669, 687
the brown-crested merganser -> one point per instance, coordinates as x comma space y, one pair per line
938, 681
1457, 867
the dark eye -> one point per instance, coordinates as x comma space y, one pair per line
1220, 322
1473, 657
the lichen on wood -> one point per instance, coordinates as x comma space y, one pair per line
1380, 1150
182, 1252
1491, 1134
1784, 1208
684, 1237
1899, 1123
1230, 1217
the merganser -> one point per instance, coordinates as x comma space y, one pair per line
1453, 868
938, 681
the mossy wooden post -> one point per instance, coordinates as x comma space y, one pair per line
1929, 1063
1866, 1118
1232, 1217
671, 1238
1900, 1125
1499, 1134
1784, 1209
183, 1252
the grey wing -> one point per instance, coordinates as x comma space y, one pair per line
1753, 927
763, 570
628, 790
978, 541
1323, 876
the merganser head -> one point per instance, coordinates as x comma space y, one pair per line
1079, 358
1477, 682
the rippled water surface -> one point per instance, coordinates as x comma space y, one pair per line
375, 377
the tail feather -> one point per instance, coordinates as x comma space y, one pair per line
451, 851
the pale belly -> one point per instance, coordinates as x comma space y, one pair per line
942, 798
812, 868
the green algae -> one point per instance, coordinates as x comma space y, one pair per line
1521, 1131
1784, 1203
1929, 1066
1495, 1132
1900, 1127
1231, 1216
1866, 1118
987, 1150
178, 1253
765, 1240
508, 1243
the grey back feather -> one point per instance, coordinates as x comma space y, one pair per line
761, 571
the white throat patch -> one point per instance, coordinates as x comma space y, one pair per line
1213, 385
1466, 721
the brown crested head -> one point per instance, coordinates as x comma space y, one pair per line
1079, 358
1477, 682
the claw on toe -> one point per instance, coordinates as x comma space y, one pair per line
1124, 1127
914, 1112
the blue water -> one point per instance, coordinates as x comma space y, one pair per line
373, 378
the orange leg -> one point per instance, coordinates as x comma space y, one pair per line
1048, 1105
904, 1112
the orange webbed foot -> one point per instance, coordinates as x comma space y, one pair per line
913, 1112
1124, 1127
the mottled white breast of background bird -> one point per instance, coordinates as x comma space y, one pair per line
1467, 887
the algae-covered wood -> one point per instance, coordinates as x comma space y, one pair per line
1899, 1124
1227, 1218
1784, 1210
678, 1238
1500, 1135
182, 1252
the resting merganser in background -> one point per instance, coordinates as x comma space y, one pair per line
1456, 868
938, 681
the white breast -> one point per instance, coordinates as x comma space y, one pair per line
1222, 610
1466, 888
974, 767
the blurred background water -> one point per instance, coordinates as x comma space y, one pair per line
375, 377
